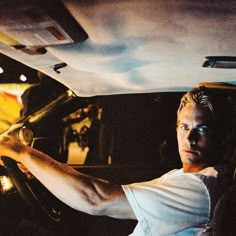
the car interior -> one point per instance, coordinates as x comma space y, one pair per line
96, 85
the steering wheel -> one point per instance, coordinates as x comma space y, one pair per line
32, 191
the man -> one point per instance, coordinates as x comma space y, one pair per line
180, 202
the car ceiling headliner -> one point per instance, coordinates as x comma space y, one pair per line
141, 46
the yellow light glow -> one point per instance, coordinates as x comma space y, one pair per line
6, 184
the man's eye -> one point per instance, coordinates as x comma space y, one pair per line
203, 130
183, 127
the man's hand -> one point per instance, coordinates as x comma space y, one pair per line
11, 147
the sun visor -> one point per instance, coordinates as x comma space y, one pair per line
30, 26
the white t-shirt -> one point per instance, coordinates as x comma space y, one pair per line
177, 203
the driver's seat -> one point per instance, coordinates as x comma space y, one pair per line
224, 219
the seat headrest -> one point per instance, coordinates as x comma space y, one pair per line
224, 218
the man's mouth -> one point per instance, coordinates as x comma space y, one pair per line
191, 151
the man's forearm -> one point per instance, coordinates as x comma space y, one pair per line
82, 192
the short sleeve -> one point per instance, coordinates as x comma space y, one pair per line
169, 206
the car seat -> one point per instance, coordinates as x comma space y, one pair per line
224, 218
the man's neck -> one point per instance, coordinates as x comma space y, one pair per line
189, 168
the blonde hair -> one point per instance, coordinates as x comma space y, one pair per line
214, 101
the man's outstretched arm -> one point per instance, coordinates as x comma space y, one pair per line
82, 192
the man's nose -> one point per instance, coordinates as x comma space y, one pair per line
192, 136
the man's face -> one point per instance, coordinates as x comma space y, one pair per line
195, 138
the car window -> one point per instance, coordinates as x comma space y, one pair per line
14, 79
101, 130
125, 129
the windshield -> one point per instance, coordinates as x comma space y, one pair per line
101, 130
125, 129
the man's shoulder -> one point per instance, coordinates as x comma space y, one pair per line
211, 171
